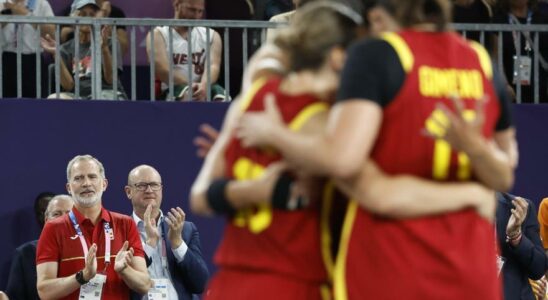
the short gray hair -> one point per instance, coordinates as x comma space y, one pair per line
61, 197
88, 157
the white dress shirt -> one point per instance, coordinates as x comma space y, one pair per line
159, 266
29, 36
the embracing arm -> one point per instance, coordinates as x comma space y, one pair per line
405, 196
354, 122
213, 166
494, 161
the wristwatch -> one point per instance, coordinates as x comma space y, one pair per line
80, 277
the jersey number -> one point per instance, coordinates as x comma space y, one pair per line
442, 149
258, 218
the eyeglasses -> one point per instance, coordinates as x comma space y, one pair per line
143, 186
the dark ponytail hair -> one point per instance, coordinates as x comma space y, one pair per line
413, 12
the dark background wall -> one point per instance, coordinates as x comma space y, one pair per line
38, 138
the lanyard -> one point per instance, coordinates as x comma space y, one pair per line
108, 235
164, 250
514, 21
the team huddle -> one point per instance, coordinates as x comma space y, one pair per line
365, 171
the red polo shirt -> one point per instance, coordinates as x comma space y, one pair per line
60, 243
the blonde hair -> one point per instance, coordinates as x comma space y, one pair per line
316, 28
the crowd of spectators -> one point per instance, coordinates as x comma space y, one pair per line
518, 61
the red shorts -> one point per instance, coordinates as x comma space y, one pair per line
244, 285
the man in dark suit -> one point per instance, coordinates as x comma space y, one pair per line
172, 245
22, 277
519, 241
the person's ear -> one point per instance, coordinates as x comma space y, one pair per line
127, 189
337, 57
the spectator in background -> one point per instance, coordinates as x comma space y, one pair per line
106, 10
29, 46
40, 205
22, 277
183, 88
171, 243
90, 244
522, 256
3, 296
473, 11
84, 69
520, 70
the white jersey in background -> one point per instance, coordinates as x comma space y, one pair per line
180, 51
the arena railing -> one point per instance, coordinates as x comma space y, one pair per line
519, 32
131, 25
226, 25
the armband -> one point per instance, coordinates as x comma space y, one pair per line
216, 198
282, 197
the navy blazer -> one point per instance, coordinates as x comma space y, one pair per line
22, 277
191, 274
528, 259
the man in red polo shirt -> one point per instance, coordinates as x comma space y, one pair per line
75, 256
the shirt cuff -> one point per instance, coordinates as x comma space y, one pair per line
180, 252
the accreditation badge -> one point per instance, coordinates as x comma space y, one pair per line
93, 289
522, 70
159, 290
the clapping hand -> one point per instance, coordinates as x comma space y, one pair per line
519, 212
123, 258
151, 228
48, 44
176, 220
90, 268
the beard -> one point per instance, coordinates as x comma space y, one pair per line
88, 201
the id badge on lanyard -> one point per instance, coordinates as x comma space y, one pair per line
93, 289
159, 290
522, 63
522, 70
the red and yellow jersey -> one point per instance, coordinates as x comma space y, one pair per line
261, 238
448, 256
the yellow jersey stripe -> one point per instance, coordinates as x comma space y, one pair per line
326, 238
306, 113
340, 264
402, 49
484, 58
325, 292
249, 94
